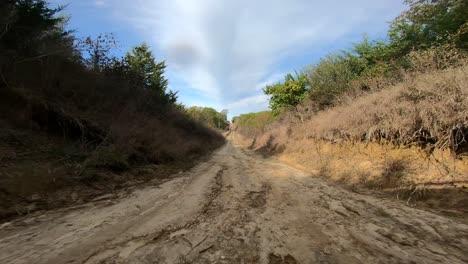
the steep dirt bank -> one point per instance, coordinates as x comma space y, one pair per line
237, 208
438, 181
408, 139
70, 131
39, 171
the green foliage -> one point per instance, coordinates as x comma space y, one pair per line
209, 116
89, 96
31, 27
425, 25
428, 23
141, 61
331, 77
149, 73
366, 56
252, 124
31, 31
371, 52
288, 93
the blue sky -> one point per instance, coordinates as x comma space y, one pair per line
221, 53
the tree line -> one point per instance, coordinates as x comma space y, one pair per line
209, 116
32, 30
117, 107
252, 124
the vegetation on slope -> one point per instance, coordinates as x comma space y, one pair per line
386, 115
374, 64
209, 116
75, 121
429, 36
253, 124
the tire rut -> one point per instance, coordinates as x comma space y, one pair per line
111, 252
238, 208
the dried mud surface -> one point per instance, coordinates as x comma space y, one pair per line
237, 207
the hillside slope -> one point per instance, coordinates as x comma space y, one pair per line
408, 139
76, 121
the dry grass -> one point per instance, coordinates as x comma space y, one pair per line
407, 139
102, 111
65, 129
392, 173
428, 111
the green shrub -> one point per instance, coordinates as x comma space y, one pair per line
328, 79
252, 124
209, 116
426, 29
288, 93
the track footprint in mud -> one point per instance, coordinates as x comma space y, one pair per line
258, 199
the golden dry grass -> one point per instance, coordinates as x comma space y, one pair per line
406, 139
65, 129
421, 110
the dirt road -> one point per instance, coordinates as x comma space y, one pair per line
237, 208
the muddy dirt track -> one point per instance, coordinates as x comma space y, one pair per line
237, 208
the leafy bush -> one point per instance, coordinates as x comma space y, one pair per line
429, 23
288, 93
329, 79
433, 29
209, 116
252, 124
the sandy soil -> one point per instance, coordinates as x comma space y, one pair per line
237, 208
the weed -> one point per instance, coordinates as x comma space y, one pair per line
393, 171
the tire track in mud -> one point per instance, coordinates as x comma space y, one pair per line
214, 193
382, 229
239, 208
233, 236
205, 238
112, 252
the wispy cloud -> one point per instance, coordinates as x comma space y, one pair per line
253, 103
272, 79
228, 49
100, 2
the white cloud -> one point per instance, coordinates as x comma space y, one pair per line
272, 79
229, 49
249, 104
99, 2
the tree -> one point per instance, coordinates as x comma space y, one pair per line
428, 23
149, 73
224, 113
330, 78
209, 116
252, 124
288, 93
31, 27
98, 50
